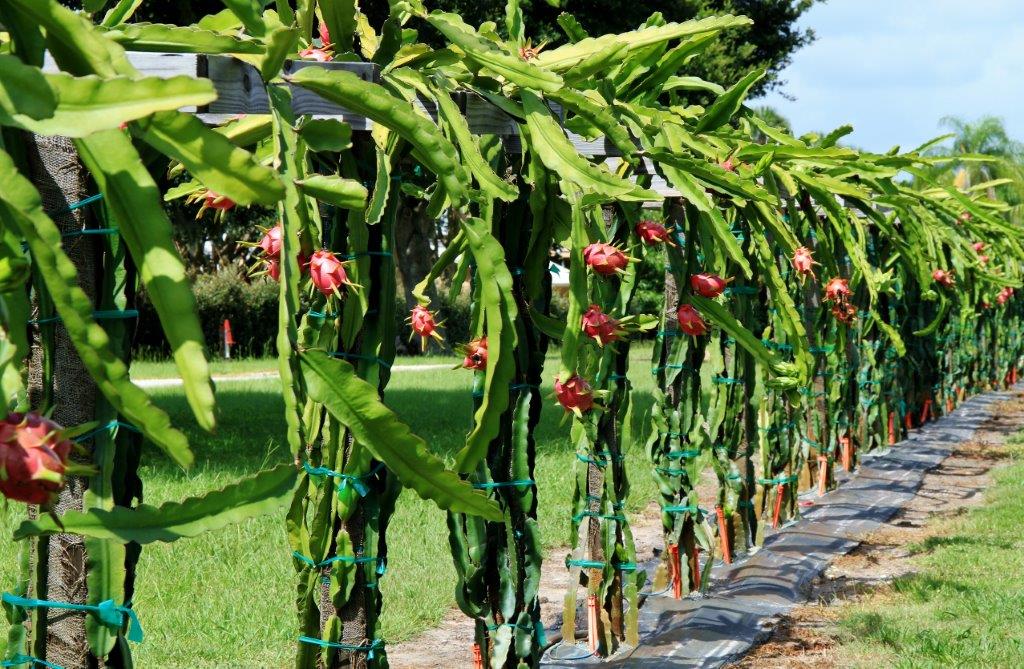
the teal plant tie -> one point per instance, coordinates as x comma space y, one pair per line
688, 454
107, 611
670, 471
655, 370
597, 514
371, 650
357, 356
821, 349
733, 476
358, 483
81, 203
109, 315
524, 386
727, 380
729, 341
665, 334
112, 425
809, 392
741, 290
681, 508
18, 660
768, 343
321, 315
490, 485
90, 232
774, 429
346, 559
778, 480
598, 564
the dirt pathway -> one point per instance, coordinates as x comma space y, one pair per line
807, 637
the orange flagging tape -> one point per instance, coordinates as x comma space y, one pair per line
478, 657
696, 567
926, 412
908, 421
847, 449
724, 534
676, 569
778, 504
892, 428
592, 623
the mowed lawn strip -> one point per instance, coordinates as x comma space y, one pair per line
965, 607
226, 599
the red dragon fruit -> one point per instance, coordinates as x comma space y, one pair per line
271, 241
273, 268
33, 458
978, 246
844, 312
327, 272
605, 259
690, 321
574, 395
600, 326
803, 262
476, 354
424, 324
1004, 295
729, 165
837, 290
325, 35
652, 232
943, 278
708, 285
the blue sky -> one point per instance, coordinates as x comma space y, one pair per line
893, 68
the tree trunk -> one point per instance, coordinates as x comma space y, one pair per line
61, 181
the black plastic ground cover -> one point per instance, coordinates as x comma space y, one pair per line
747, 598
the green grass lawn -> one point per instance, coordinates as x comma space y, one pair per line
225, 599
965, 607
153, 369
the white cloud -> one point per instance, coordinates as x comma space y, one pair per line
894, 68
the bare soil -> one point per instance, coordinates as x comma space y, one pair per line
808, 637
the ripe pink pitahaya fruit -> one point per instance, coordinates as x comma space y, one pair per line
475, 353
708, 285
600, 326
575, 395
271, 241
978, 246
33, 458
690, 321
424, 324
328, 273
803, 262
943, 278
652, 232
325, 35
605, 259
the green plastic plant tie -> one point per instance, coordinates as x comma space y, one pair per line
729, 341
597, 514
822, 349
107, 611
81, 203
109, 315
778, 480
358, 356
726, 380
809, 392
112, 425
358, 482
680, 508
371, 650
741, 290
663, 334
320, 314
733, 476
490, 485
598, 564
813, 444
670, 471
524, 386
688, 454
18, 660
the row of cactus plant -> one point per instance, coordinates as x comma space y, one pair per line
795, 325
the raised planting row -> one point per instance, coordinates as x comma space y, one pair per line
819, 302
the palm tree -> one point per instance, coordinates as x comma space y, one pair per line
983, 151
